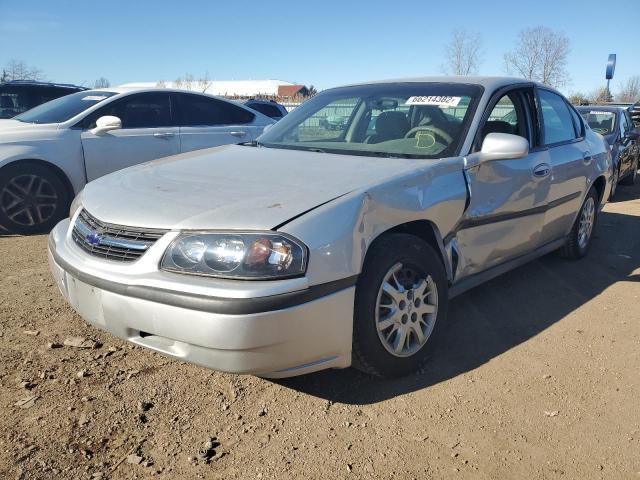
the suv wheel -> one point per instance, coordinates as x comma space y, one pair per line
400, 308
32, 198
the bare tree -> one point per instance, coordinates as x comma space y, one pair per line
101, 83
600, 95
540, 54
463, 53
19, 70
189, 81
204, 83
177, 83
161, 84
630, 91
578, 98
312, 91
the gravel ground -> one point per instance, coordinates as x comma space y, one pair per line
538, 377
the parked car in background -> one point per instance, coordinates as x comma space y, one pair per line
616, 126
315, 247
18, 96
270, 108
49, 153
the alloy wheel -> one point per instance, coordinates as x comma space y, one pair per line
406, 310
28, 200
587, 217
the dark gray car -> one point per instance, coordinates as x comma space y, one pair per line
614, 123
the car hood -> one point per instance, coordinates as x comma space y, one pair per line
232, 187
14, 130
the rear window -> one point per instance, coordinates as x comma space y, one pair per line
601, 122
266, 109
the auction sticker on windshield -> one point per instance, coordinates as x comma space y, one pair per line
436, 100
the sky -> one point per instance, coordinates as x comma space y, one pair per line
325, 44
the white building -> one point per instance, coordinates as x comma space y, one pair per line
229, 88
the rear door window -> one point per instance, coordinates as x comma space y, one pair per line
197, 110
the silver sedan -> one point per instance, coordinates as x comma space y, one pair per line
329, 244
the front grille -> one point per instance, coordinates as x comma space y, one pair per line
113, 242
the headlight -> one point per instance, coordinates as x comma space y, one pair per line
255, 256
76, 204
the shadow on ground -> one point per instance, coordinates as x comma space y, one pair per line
503, 313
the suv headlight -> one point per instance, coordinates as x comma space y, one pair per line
250, 256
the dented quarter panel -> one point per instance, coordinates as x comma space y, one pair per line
435, 191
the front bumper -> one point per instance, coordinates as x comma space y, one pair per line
286, 329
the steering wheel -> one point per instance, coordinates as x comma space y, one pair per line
435, 130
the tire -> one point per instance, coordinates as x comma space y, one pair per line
578, 244
33, 198
420, 266
630, 179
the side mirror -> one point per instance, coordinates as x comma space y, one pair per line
106, 124
503, 146
633, 134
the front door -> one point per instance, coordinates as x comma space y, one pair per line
147, 133
507, 197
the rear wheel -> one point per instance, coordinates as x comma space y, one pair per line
579, 240
33, 198
401, 306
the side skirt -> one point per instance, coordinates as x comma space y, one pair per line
482, 277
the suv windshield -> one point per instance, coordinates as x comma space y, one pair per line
412, 120
600, 121
63, 108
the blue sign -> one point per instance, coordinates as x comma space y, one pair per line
611, 66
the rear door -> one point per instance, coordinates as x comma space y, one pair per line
563, 137
210, 122
508, 198
147, 133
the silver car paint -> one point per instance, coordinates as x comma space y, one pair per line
338, 209
60, 145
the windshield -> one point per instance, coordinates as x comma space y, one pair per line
63, 108
600, 121
411, 120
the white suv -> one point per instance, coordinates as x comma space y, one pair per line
50, 152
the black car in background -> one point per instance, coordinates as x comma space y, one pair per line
270, 108
18, 96
615, 124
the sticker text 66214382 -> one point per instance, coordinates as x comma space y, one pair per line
437, 100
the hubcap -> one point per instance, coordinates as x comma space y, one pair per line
406, 310
28, 200
587, 216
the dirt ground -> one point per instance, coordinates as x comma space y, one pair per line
538, 377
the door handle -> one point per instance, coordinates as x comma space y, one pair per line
542, 170
238, 133
164, 134
586, 157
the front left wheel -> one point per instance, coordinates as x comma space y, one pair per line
400, 308
33, 198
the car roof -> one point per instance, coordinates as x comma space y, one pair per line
42, 84
489, 82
